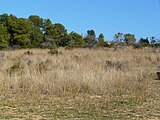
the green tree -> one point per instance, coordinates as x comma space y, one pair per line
20, 31
91, 33
38, 28
40, 22
6, 19
129, 39
119, 37
144, 42
75, 39
101, 40
22, 40
58, 33
36, 20
46, 24
153, 40
36, 37
90, 38
4, 36
118, 41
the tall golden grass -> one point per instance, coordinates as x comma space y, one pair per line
124, 73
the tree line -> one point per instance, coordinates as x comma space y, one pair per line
37, 32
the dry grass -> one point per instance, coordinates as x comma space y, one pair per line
91, 80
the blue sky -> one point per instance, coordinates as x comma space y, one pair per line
139, 17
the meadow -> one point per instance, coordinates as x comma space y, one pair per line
80, 84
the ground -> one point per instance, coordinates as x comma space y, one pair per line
45, 94
81, 107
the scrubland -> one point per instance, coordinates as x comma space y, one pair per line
80, 84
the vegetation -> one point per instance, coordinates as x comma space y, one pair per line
79, 84
60, 82
4, 37
37, 32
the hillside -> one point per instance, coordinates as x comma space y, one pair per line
80, 83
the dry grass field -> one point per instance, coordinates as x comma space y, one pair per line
80, 84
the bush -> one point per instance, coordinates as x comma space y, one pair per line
137, 46
28, 53
15, 68
69, 47
54, 52
118, 65
1, 56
